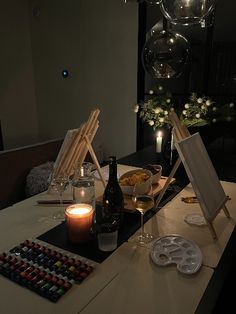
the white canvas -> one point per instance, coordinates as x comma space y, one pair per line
202, 175
65, 146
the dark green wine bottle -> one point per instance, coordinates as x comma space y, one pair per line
113, 200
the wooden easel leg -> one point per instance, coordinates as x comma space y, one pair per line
93, 155
212, 230
225, 209
173, 171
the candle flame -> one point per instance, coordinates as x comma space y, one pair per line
188, 3
82, 171
159, 134
79, 209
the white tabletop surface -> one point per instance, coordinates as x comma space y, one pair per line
170, 220
127, 281
143, 287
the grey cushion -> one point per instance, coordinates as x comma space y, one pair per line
37, 179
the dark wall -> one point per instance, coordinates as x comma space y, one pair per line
16, 164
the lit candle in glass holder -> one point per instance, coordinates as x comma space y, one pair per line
158, 142
79, 219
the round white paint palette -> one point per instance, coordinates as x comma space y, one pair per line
174, 249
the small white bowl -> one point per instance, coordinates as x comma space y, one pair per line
156, 177
143, 187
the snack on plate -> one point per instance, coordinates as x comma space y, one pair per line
138, 177
135, 178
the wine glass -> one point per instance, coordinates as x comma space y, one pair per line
143, 201
59, 183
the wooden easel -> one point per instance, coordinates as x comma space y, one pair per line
75, 146
180, 132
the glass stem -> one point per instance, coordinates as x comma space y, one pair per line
60, 198
142, 226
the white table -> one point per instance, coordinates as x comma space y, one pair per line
127, 281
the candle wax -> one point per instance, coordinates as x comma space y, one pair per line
79, 219
158, 144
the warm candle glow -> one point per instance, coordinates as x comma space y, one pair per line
82, 171
188, 3
82, 192
78, 211
79, 218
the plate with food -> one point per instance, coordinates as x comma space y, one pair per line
142, 178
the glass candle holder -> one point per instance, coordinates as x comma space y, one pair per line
83, 185
187, 12
79, 220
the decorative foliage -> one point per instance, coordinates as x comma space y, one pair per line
198, 111
156, 107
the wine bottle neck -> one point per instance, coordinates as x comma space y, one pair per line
112, 169
112, 172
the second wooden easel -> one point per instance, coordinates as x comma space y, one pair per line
76, 145
181, 133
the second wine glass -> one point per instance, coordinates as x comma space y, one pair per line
59, 184
143, 201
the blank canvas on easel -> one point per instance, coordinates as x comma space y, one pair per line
76, 145
202, 175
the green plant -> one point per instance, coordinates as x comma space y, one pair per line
155, 108
198, 111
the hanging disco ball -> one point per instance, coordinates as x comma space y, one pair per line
165, 54
186, 12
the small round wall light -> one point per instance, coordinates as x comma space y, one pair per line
65, 73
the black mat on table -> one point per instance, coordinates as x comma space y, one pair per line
58, 235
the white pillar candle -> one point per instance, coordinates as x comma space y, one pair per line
158, 142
